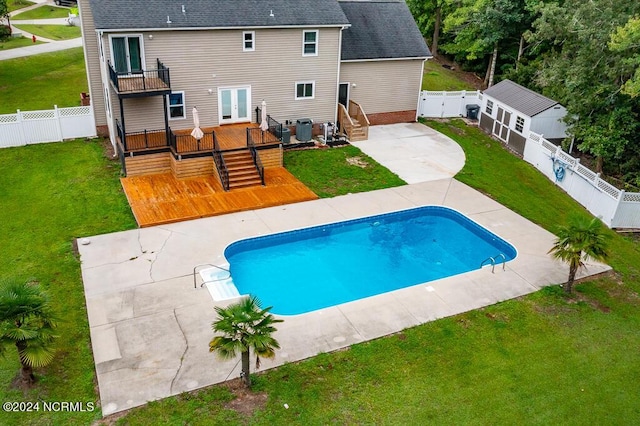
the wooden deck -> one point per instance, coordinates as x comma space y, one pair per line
161, 198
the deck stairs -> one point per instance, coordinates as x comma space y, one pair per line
243, 172
356, 132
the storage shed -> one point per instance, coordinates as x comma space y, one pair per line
510, 111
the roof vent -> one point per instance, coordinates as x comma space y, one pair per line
168, 20
183, 9
271, 13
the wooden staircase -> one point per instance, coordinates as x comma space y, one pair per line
353, 122
242, 170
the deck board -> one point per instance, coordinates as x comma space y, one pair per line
162, 198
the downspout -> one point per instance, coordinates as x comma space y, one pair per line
335, 109
420, 88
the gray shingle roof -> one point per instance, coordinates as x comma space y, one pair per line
147, 14
381, 29
520, 98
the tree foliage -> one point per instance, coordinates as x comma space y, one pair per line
581, 240
26, 322
244, 327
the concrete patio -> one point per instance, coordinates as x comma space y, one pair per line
150, 328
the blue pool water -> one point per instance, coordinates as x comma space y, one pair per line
313, 268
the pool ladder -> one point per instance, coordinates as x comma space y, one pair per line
493, 261
196, 269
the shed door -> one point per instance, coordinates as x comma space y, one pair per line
501, 125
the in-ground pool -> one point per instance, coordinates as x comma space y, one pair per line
313, 268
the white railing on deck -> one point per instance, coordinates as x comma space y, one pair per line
616, 208
54, 125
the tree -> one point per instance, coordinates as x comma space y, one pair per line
244, 327
4, 14
627, 39
26, 321
582, 240
428, 15
580, 71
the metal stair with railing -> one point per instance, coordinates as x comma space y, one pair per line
242, 169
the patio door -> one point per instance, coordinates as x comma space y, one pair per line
126, 54
234, 104
501, 125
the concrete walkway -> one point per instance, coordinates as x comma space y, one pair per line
150, 327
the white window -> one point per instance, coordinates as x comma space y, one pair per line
310, 43
489, 108
175, 106
305, 89
519, 124
248, 41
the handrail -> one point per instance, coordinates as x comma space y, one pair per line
358, 112
254, 154
218, 159
195, 284
493, 262
343, 115
146, 79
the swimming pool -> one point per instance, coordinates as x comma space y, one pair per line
313, 268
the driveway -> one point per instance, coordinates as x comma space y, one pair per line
414, 152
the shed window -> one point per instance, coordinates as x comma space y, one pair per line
175, 106
519, 124
489, 108
310, 43
248, 41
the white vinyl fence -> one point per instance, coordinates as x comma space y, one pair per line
54, 125
447, 104
616, 208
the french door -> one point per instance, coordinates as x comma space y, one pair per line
126, 54
234, 104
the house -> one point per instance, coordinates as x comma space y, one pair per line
510, 111
150, 63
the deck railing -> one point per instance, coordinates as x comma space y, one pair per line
143, 140
186, 143
273, 135
218, 158
141, 81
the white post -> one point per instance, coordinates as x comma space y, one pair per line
615, 211
56, 114
23, 135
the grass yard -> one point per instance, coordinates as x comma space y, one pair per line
43, 12
540, 359
13, 42
18, 4
51, 194
437, 78
339, 171
42, 81
52, 32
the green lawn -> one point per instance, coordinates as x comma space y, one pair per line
437, 78
51, 194
331, 172
52, 32
43, 12
18, 4
42, 81
13, 42
541, 359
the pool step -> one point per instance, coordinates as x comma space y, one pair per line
219, 283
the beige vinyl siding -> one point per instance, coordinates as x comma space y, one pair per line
92, 61
203, 61
383, 86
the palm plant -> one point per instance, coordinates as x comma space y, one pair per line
26, 321
244, 326
582, 240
